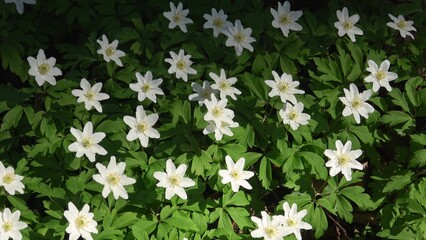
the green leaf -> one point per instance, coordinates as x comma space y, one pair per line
184, 223
238, 199
265, 173
12, 117
418, 159
125, 219
363, 133
399, 99
357, 195
398, 182
241, 216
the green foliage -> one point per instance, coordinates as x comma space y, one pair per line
384, 200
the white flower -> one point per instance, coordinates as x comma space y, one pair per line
292, 220
356, 103
90, 95
20, 4
239, 37
343, 159
217, 21
43, 69
235, 174
11, 181
180, 64
267, 228
217, 111
220, 130
284, 87
404, 27
110, 51
141, 126
224, 85
380, 77
173, 180
113, 179
146, 87
10, 225
202, 92
81, 223
286, 19
177, 17
87, 142
293, 115
346, 24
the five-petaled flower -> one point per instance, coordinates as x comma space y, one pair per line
346, 24
10, 181
202, 92
180, 64
380, 76
90, 95
110, 51
141, 126
235, 174
292, 220
216, 21
10, 226
87, 142
286, 19
284, 87
269, 229
146, 87
355, 103
343, 159
80, 223
173, 180
217, 111
293, 115
177, 17
113, 179
20, 4
225, 85
403, 26
239, 37
43, 69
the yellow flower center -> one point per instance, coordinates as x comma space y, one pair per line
181, 64
271, 231
177, 17
347, 25
291, 222
343, 160
7, 226
81, 222
87, 142
217, 22
380, 75
44, 68
292, 115
285, 19
8, 178
145, 87
142, 127
356, 103
224, 85
205, 94
235, 174
175, 180
239, 37
217, 112
402, 24
109, 51
90, 95
283, 86
113, 178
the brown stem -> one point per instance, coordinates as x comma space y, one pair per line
338, 226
